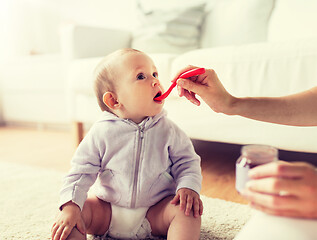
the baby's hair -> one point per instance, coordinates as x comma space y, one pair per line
103, 79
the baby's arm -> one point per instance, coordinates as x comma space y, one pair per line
189, 200
186, 172
85, 167
67, 219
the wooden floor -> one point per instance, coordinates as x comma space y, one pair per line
54, 149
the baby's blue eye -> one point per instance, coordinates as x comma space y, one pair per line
155, 74
140, 76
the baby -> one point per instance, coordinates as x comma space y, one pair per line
149, 175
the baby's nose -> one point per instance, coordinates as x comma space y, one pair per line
155, 82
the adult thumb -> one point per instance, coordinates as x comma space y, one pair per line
190, 85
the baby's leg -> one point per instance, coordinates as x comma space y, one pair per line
96, 215
167, 219
76, 235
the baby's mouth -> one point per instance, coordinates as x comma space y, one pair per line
157, 95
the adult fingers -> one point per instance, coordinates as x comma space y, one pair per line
180, 91
270, 201
191, 97
277, 169
191, 86
273, 185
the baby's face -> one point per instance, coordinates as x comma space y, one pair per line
137, 86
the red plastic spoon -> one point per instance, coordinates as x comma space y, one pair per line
187, 74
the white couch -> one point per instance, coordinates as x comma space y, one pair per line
258, 48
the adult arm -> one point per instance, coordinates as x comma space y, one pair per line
297, 109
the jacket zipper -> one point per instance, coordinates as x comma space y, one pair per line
137, 165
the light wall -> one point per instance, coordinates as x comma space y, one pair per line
32, 26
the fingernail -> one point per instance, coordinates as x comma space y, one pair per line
180, 82
179, 90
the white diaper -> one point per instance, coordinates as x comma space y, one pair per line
129, 223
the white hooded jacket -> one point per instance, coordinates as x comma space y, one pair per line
137, 165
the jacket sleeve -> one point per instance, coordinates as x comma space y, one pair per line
186, 168
85, 166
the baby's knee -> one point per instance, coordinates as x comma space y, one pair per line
176, 211
96, 215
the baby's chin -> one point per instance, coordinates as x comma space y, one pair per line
154, 113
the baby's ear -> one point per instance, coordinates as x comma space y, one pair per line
110, 100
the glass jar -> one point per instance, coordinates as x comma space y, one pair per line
252, 156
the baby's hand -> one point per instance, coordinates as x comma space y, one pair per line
67, 219
188, 199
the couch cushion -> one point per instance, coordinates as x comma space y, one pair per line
293, 19
168, 26
235, 22
204, 124
261, 69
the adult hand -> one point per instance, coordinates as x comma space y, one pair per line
284, 189
189, 200
67, 219
208, 87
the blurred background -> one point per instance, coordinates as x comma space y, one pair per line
48, 49
32, 69
33, 26
40, 39
35, 50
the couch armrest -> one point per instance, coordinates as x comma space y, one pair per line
85, 41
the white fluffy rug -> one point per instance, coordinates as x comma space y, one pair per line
29, 201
